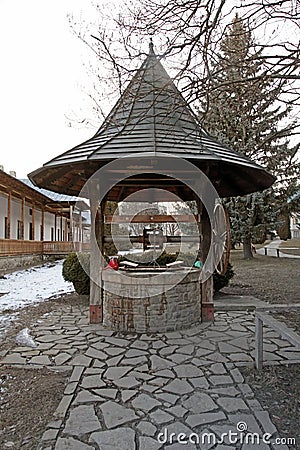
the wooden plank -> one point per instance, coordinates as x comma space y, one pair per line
282, 329
23, 218
155, 218
43, 225
8, 216
33, 221
278, 307
139, 239
13, 247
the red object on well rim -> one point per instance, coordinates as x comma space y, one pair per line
113, 264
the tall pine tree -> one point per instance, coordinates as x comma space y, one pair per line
242, 111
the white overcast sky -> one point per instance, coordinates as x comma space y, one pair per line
40, 81
41, 77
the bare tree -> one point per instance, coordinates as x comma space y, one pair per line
187, 35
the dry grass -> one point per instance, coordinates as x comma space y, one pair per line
274, 280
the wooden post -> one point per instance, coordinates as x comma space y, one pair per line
71, 223
80, 231
96, 288
55, 227
32, 216
23, 218
8, 216
200, 253
258, 342
207, 288
43, 224
66, 229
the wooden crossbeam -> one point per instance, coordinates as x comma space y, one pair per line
155, 218
139, 239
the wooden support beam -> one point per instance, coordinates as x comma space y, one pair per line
55, 227
139, 239
43, 225
96, 262
207, 289
22, 218
33, 221
8, 216
155, 218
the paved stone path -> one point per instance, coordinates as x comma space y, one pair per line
124, 390
273, 246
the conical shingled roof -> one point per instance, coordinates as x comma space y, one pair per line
152, 117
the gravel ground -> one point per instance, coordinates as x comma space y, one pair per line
28, 398
278, 390
274, 280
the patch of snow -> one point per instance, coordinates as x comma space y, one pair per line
30, 286
33, 285
24, 338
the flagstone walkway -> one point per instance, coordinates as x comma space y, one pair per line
131, 392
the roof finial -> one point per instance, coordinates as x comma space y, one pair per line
151, 47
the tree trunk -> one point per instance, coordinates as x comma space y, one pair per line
247, 247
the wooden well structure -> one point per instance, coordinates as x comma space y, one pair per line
150, 119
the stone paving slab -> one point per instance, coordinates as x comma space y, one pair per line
133, 391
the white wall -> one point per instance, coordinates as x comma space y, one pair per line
15, 215
49, 222
37, 224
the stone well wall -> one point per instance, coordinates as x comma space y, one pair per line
127, 307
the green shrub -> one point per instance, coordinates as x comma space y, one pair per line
73, 271
221, 281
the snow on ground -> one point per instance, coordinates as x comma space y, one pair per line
31, 286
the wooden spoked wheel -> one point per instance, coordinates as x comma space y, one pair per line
221, 234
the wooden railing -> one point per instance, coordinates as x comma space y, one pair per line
262, 316
60, 247
12, 247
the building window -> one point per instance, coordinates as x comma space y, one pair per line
41, 233
30, 211
52, 234
19, 229
5, 228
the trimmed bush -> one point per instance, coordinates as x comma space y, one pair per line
73, 271
221, 281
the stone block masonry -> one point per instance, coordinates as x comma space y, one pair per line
178, 306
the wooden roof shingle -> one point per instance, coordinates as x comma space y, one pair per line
152, 117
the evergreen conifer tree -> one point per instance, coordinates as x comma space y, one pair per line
247, 116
